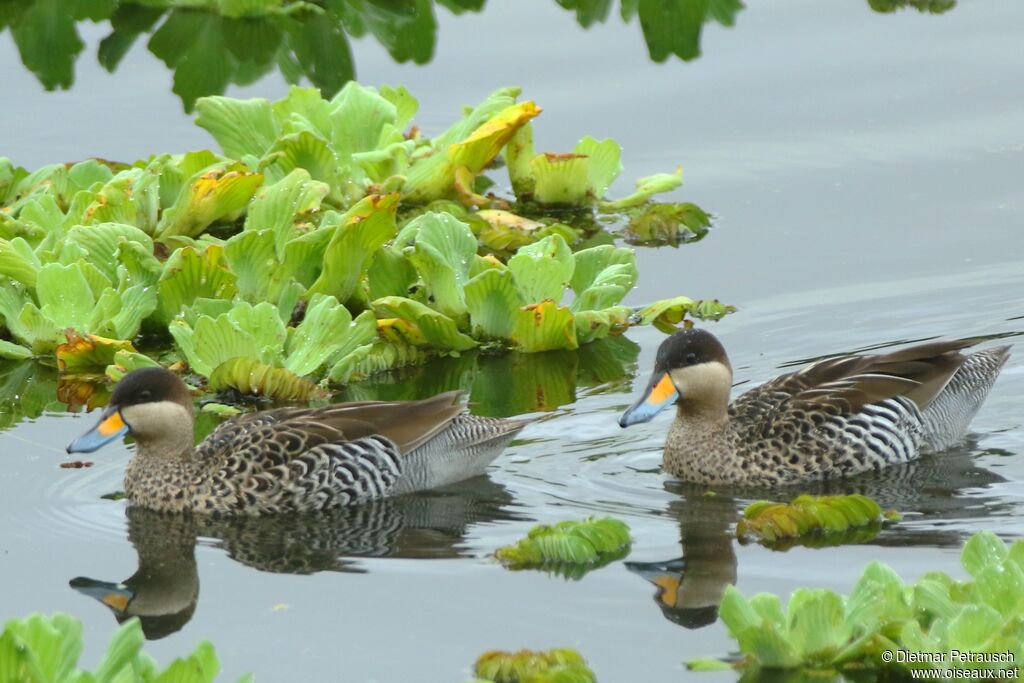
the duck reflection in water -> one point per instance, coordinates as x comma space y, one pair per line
164, 591
933, 493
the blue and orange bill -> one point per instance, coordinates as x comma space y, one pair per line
111, 426
660, 394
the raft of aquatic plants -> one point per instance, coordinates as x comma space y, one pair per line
328, 242
884, 617
813, 520
560, 665
569, 548
45, 649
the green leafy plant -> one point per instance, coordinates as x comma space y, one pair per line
325, 245
560, 665
45, 649
882, 616
810, 516
569, 548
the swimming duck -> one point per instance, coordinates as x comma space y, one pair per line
289, 459
835, 418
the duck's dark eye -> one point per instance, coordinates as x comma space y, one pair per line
145, 395
691, 358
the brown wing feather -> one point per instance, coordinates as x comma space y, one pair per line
409, 424
850, 382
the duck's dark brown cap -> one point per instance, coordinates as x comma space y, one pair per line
689, 347
150, 385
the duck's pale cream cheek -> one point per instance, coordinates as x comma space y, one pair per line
704, 382
158, 421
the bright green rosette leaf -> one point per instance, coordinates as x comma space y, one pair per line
493, 303
251, 256
100, 244
41, 648
405, 104
1001, 587
818, 626
981, 551
443, 251
659, 224
209, 196
309, 151
544, 327
246, 331
240, 127
364, 229
190, 274
18, 261
469, 144
88, 353
362, 121
604, 163
645, 189
435, 329
126, 361
560, 179
390, 273
486, 142
667, 313
542, 270
519, 153
11, 351
505, 231
326, 332
594, 325
602, 276
279, 206
132, 197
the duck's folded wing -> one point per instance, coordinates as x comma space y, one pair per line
846, 384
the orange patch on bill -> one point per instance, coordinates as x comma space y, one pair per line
111, 425
117, 601
662, 391
669, 586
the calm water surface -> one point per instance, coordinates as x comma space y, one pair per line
866, 173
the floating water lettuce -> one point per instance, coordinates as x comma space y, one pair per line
569, 548
807, 515
320, 215
42, 648
560, 665
89, 352
883, 616
250, 349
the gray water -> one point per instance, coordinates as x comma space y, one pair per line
865, 171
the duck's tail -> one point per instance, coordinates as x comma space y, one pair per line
462, 450
946, 418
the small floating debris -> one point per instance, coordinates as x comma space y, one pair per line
76, 464
813, 517
560, 665
569, 548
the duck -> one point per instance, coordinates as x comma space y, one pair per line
835, 418
289, 459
